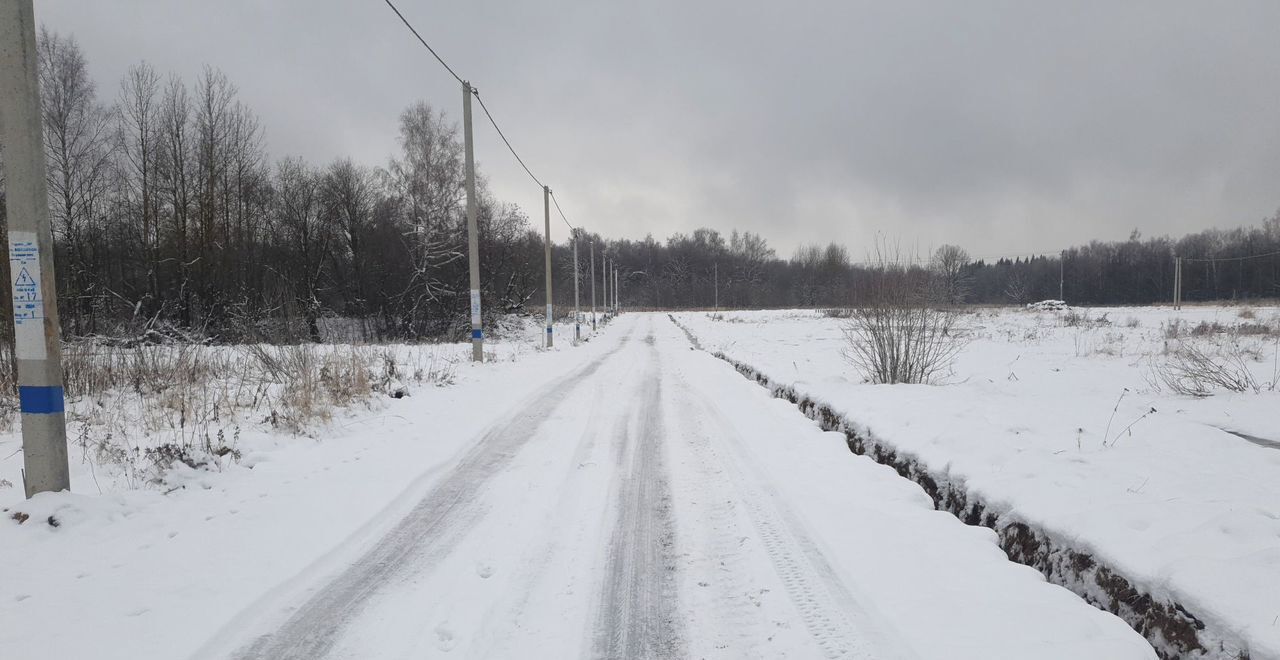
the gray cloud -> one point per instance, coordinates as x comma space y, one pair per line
1002, 126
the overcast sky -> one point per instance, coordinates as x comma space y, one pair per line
1005, 127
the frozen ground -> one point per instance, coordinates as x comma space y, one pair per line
625, 498
1180, 494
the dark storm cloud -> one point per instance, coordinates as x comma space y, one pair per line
1002, 126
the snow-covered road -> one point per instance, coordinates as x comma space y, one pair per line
651, 503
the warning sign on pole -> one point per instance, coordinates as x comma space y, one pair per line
28, 303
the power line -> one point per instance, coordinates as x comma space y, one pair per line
1246, 257
476, 93
561, 212
424, 42
504, 139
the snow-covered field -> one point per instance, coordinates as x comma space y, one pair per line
1055, 419
628, 497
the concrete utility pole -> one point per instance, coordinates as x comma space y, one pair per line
577, 314
604, 282
593, 286
1062, 276
473, 239
715, 277
617, 307
1177, 282
546, 215
36, 332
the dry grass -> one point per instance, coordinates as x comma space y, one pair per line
1076, 319
1200, 368
148, 408
1177, 329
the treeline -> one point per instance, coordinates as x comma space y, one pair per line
1236, 264
1220, 265
171, 219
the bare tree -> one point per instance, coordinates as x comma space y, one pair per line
298, 220
176, 181
246, 191
426, 185
950, 266
428, 177
214, 102
138, 133
750, 253
349, 194
78, 146
1017, 289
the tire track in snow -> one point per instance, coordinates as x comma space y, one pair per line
419, 540
718, 554
838, 624
638, 615
569, 541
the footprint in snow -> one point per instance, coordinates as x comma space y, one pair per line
444, 637
484, 569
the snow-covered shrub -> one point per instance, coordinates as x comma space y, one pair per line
1090, 342
1077, 319
897, 336
1201, 368
1257, 330
310, 382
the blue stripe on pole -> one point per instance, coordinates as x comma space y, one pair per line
548, 330
477, 334
40, 400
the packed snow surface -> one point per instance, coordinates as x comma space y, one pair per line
625, 498
1054, 418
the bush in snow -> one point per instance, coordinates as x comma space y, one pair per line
1200, 368
897, 336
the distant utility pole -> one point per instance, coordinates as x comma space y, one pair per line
546, 215
1062, 276
1177, 282
604, 282
473, 239
617, 306
593, 286
577, 314
715, 277
37, 336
